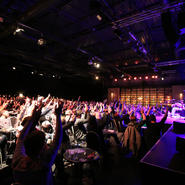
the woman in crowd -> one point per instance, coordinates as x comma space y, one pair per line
32, 160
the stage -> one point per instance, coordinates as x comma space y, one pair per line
164, 154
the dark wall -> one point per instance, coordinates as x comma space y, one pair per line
13, 82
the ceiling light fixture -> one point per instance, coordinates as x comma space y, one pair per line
97, 77
1, 19
18, 30
98, 65
21, 95
41, 41
99, 17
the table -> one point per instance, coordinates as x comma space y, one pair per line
109, 131
81, 155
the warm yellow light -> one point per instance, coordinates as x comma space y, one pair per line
21, 95
98, 17
112, 95
97, 77
181, 96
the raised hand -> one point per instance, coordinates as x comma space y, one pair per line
36, 113
142, 111
58, 109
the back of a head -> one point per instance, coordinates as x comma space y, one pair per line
92, 120
132, 117
152, 118
34, 143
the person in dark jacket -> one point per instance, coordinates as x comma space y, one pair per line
153, 131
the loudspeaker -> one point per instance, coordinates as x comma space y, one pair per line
178, 127
180, 144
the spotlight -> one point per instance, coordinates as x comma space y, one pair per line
124, 79
162, 78
41, 74
136, 62
97, 65
99, 17
135, 78
115, 79
18, 30
140, 77
146, 77
129, 78
21, 95
32, 72
181, 96
1, 19
97, 77
156, 76
153, 76
41, 41
14, 68
53, 76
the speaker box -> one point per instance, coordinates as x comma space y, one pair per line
178, 127
180, 144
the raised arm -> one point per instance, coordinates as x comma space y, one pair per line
54, 146
165, 116
148, 112
29, 125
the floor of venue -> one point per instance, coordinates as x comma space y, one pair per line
115, 168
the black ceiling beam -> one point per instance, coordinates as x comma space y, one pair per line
45, 62
32, 12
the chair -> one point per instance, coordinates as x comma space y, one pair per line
93, 141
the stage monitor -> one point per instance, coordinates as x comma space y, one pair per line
178, 127
180, 144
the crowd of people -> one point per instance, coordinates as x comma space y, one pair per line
44, 127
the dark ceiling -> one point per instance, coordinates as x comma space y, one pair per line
130, 37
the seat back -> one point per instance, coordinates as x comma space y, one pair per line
93, 141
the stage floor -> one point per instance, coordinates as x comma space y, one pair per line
170, 120
164, 154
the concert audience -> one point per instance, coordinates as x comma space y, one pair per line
39, 130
